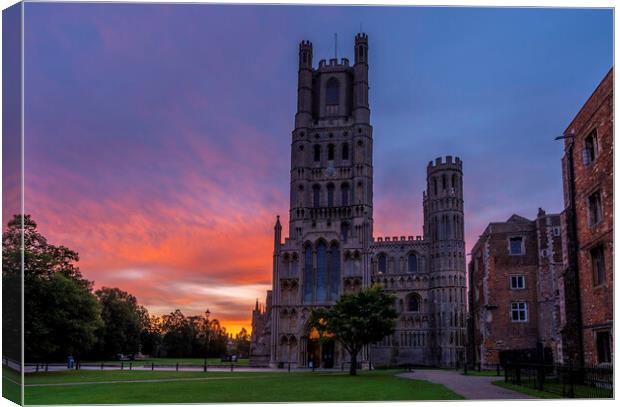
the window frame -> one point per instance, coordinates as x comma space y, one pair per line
607, 351
590, 152
522, 252
519, 310
596, 281
599, 212
517, 276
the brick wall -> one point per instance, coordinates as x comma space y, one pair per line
591, 177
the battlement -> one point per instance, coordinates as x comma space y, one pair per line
448, 164
382, 239
361, 37
305, 44
333, 63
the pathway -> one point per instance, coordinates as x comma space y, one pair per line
470, 387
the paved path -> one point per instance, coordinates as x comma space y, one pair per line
470, 387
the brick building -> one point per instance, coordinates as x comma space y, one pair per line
514, 295
587, 168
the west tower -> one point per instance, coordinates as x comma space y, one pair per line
331, 250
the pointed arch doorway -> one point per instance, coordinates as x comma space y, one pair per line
319, 352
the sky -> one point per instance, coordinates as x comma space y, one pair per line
157, 136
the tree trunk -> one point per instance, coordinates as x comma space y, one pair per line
353, 367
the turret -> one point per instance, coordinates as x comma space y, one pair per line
444, 229
303, 118
277, 235
361, 111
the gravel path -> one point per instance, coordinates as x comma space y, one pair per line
470, 387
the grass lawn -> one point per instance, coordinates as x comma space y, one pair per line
526, 390
172, 361
10, 385
215, 387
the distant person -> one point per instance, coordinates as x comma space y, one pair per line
70, 362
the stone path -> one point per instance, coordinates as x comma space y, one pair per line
470, 387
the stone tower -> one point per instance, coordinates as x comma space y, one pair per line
331, 250
330, 200
443, 229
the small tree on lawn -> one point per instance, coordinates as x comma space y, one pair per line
357, 320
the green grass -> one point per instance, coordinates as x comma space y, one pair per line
10, 385
229, 387
526, 390
172, 361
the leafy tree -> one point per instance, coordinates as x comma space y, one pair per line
178, 334
357, 320
61, 314
242, 343
152, 336
124, 321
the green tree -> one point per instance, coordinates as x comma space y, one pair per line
124, 320
242, 343
61, 314
357, 320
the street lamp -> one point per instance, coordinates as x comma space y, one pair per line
207, 335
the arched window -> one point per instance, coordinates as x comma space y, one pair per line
412, 263
443, 182
344, 193
434, 183
317, 153
344, 231
454, 181
316, 196
330, 152
321, 272
345, 151
382, 263
330, 195
332, 92
294, 266
413, 303
308, 280
334, 272
300, 195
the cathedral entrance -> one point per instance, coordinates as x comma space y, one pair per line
320, 353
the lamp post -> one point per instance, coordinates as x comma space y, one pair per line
207, 336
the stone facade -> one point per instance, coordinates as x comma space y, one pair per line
331, 249
587, 168
515, 289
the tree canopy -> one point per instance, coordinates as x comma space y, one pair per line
61, 313
357, 320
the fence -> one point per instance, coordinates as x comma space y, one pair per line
129, 365
564, 380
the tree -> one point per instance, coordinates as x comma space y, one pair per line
242, 343
124, 319
61, 314
357, 320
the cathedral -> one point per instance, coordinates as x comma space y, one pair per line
331, 249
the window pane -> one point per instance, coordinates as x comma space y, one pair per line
308, 280
382, 263
334, 284
332, 91
412, 263
515, 245
321, 272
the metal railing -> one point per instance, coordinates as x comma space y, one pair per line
565, 380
